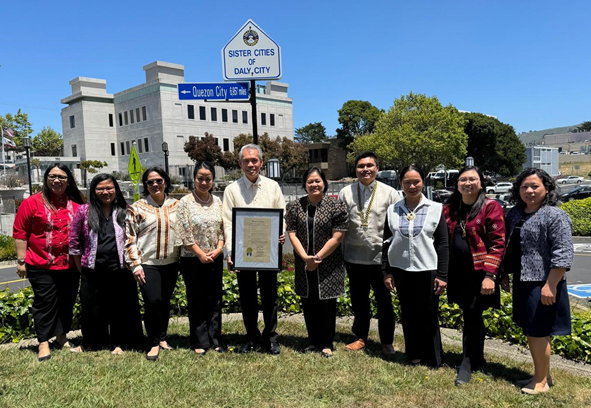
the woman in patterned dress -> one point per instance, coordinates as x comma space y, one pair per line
316, 225
199, 222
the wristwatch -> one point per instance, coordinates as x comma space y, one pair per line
21, 261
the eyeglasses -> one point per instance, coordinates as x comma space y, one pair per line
154, 181
107, 189
470, 179
57, 177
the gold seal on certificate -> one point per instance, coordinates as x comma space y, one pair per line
255, 239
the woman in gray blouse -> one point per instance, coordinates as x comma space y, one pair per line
539, 252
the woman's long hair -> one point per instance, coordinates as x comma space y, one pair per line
96, 217
72, 191
455, 199
552, 197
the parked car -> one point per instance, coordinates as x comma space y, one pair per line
505, 204
576, 193
441, 196
572, 180
387, 177
503, 187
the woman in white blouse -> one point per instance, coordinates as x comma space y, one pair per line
199, 222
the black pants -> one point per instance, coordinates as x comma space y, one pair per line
473, 338
361, 278
157, 292
320, 315
419, 307
53, 302
247, 287
204, 297
110, 309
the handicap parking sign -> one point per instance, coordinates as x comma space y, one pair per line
580, 291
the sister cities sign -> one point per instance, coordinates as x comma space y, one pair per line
251, 54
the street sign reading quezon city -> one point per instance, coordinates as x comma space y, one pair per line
251, 54
213, 91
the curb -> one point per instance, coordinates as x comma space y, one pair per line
449, 337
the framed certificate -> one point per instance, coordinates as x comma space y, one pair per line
255, 239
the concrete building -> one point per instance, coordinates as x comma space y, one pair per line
329, 157
542, 157
97, 125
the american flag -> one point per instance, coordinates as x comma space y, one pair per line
8, 132
6, 141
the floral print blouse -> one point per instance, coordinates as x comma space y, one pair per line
199, 224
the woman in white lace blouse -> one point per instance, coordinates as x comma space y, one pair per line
199, 222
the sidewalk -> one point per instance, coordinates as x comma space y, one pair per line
450, 337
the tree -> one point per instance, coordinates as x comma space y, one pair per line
585, 127
19, 123
48, 142
494, 145
204, 150
91, 166
416, 130
293, 155
356, 118
311, 133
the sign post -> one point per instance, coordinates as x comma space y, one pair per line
250, 55
134, 168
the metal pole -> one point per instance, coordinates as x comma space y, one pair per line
29, 171
253, 104
166, 162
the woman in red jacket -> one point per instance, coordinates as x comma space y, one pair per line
477, 243
41, 232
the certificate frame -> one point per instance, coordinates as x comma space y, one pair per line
255, 239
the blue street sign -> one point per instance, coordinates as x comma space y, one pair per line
580, 291
233, 91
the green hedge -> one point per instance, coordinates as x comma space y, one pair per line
16, 322
580, 213
7, 248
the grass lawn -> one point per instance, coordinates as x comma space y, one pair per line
349, 379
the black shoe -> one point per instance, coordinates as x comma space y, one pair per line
463, 377
204, 352
247, 348
44, 358
274, 349
153, 358
325, 354
219, 350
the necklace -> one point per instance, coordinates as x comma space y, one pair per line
411, 215
365, 215
200, 200
463, 222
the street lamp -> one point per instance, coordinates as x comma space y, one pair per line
469, 161
165, 150
27, 145
273, 171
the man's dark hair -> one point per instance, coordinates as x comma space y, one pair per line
367, 154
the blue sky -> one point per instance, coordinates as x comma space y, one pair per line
526, 62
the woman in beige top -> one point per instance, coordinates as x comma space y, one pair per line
152, 255
199, 222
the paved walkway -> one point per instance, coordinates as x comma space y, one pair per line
449, 337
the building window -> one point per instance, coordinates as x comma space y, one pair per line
120, 119
180, 143
128, 147
146, 145
126, 118
137, 114
131, 115
144, 115
324, 155
224, 115
263, 119
122, 149
244, 117
234, 116
182, 171
226, 145
110, 120
74, 151
272, 119
72, 122
214, 114
191, 111
202, 113
216, 141
113, 152
140, 146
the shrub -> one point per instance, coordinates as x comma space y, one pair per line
580, 213
7, 248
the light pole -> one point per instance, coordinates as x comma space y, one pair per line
165, 150
469, 161
27, 145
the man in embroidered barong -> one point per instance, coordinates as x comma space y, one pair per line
368, 200
254, 190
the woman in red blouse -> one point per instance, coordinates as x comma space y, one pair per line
41, 231
477, 242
